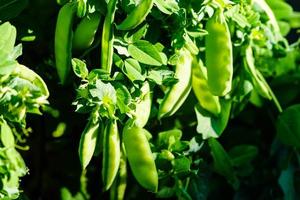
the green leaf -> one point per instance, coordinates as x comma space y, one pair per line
8, 67
8, 37
133, 70
11, 8
145, 52
65, 194
284, 27
136, 35
168, 138
242, 154
167, 6
123, 97
294, 20
98, 74
286, 182
165, 192
288, 126
209, 125
222, 162
16, 161
7, 136
181, 164
121, 47
79, 68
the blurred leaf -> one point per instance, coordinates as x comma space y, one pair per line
288, 126
7, 137
222, 162
286, 182
167, 6
181, 164
11, 8
165, 192
167, 138
209, 125
242, 154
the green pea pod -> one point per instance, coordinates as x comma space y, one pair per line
178, 93
272, 19
107, 50
85, 31
137, 16
63, 40
141, 160
256, 77
111, 153
88, 142
143, 107
218, 55
205, 98
118, 188
26, 73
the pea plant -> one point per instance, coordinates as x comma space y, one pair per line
22, 91
170, 99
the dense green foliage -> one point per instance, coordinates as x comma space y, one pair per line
186, 99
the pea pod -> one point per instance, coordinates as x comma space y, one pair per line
118, 188
265, 7
140, 157
218, 55
111, 153
143, 107
137, 16
85, 31
108, 37
257, 78
88, 142
63, 40
26, 73
178, 93
205, 98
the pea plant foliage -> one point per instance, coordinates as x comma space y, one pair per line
171, 92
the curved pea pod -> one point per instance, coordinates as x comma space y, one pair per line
143, 107
141, 160
85, 31
205, 98
118, 188
257, 79
137, 16
63, 40
178, 93
108, 37
26, 73
218, 55
111, 153
272, 19
88, 141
